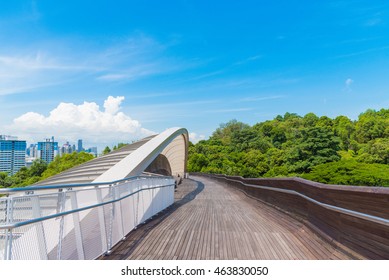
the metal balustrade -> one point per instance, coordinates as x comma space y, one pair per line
80, 221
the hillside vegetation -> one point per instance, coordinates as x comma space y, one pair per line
335, 151
41, 170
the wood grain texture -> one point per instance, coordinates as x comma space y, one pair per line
366, 238
210, 220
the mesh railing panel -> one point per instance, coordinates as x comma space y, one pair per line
52, 233
82, 234
128, 213
91, 235
24, 243
2, 244
117, 232
22, 209
3, 209
69, 247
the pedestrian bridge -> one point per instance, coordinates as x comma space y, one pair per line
124, 206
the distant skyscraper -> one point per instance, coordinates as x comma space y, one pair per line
66, 149
12, 154
48, 150
92, 150
79, 146
32, 151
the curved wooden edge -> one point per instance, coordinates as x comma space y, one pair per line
368, 237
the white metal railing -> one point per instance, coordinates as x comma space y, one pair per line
80, 221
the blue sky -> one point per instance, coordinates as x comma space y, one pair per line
194, 64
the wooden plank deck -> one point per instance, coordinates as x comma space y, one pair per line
212, 221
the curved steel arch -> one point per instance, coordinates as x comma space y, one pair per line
116, 186
170, 142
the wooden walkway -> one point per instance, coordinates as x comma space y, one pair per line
211, 221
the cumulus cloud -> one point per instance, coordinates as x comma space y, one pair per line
112, 104
194, 137
69, 122
348, 83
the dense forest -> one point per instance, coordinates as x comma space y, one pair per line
335, 151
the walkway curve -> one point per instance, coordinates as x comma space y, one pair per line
212, 221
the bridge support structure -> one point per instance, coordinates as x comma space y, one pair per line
83, 212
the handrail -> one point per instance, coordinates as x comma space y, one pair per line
47, 222
65, 186
357, 222
357, 214
36, 220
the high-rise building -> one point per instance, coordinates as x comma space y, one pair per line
48, 150
92, 150
66, 149
12, 154
32, 151
79, 146
31, 154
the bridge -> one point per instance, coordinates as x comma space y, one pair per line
138, 203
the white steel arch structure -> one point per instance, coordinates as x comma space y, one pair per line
131, 160
83, 212
172, 143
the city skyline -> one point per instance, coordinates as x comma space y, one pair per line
15, 153
65, 148
117, 73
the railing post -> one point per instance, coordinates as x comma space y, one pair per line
77, 226
136, 204
8, 234
40, 231
147, 194
152, 202
111, 219
103, 231
166, 193
119, 210
61, 204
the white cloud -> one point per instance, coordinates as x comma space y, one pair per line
43, 64
69, 122
27, 73
194, 137
348, 83
112, 77
112, 104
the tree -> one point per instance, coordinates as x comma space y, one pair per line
106, 150
376, 151
225, 131
38, 167
121, 145
350, 172
310, 120
5, 180
60, 164
197, 162
291, 145
344, 128
370, 125
317, 145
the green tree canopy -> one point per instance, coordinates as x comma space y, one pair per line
106, 150
291, 145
